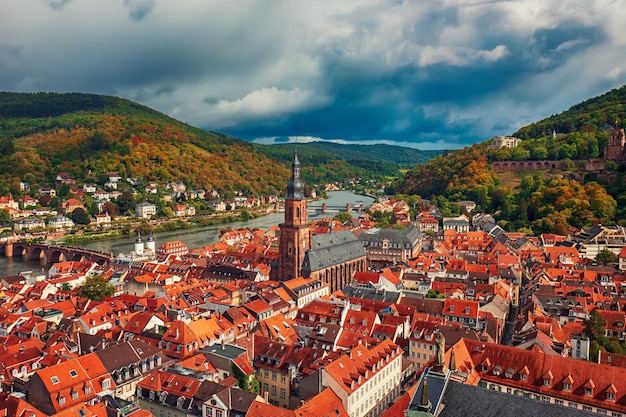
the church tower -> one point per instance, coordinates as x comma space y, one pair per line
295, 232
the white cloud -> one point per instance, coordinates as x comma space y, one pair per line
264, 103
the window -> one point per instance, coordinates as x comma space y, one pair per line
75, 395
587, 408
61, 400
218, 413
273, 376
283, 377
267, 373
558, 402
273, 389
87, 390
265, 387
523, 377
588, 391
566, 386
106, 384
73, 373
209, 412
282, 393
55, 379
610, 396
546, 382
573, 405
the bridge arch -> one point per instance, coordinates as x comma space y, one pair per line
20, 250
56, 256
36, 252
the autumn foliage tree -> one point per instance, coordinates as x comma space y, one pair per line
109, 208
96, 287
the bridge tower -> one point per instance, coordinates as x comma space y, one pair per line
138, 245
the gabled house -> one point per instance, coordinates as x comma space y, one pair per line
128, 363
366, 380
59, 387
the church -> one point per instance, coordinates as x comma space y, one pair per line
333, 258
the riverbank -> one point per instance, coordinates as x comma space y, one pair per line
130, 228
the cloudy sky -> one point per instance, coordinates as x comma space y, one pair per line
431, 74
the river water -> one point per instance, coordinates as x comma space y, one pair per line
196, 237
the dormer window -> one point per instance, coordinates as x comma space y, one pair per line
610, 393
567, 387
452, 309
588, 391
467, 310
547, 379
497, 370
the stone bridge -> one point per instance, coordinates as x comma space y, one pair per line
52, 253
525, 165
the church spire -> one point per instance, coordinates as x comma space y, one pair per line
295, 187
425, 404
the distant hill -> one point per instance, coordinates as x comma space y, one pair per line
89, 135
547, 201
358, 154
374, 159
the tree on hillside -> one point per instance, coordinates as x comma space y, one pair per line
110, 208
45, 200
6, 146
5, 216
126, 202
96, 288
80, 216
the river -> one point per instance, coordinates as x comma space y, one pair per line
196, 237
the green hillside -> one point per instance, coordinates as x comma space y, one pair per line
90, 135
544, 200
593, 115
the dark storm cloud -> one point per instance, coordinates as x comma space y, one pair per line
57, 4
139, 9
419, 72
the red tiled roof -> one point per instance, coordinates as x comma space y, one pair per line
535, 365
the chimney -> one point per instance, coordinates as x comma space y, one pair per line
223, 344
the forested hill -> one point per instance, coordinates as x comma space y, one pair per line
595, 114
547, 201
90, 135
371, 154
383, 159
